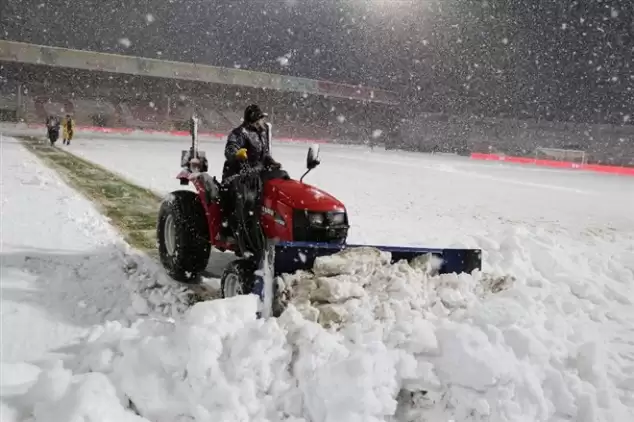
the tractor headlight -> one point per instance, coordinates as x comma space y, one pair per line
316, 219
338, 218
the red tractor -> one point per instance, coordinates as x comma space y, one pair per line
299, 222
189, 223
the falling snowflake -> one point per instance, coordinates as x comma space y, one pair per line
341, 118
284, 60
125, 42
376, 133
149, 18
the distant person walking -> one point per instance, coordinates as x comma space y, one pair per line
68, 129
52, 126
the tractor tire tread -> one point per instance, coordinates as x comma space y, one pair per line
193, 246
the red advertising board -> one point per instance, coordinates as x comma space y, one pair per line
629, 171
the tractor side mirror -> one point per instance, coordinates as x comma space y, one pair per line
312, 158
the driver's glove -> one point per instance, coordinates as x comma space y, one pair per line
241, 154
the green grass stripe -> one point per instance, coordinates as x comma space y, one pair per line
132, 209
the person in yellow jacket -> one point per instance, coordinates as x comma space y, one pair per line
68, 129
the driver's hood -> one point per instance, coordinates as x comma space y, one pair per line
301, 196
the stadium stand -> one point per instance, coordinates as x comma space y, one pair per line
34, 83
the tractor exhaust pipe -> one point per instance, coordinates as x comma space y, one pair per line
194, 156
193, 131
269, 135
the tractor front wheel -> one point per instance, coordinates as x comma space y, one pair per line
238, 278
183, 236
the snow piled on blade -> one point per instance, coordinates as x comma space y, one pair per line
361, 340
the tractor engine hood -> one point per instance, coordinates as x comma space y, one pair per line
301, 196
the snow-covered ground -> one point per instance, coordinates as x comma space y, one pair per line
60, 271
63, 268
553, 342
407, 198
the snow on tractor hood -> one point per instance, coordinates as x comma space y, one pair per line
299, 195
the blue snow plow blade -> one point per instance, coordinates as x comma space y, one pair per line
294, 256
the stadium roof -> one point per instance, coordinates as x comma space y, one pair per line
13, 51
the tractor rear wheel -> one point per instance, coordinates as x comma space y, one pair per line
183, 236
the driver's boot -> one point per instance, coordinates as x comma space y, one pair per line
226, 232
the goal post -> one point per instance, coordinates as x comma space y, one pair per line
560, 154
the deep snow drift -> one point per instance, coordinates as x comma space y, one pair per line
545, 333
406, 347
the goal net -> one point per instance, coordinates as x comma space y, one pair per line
557, 154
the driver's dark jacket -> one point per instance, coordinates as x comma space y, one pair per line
255, 144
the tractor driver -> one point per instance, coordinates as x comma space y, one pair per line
246, 147
247, 144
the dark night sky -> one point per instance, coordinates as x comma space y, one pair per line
568, 60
